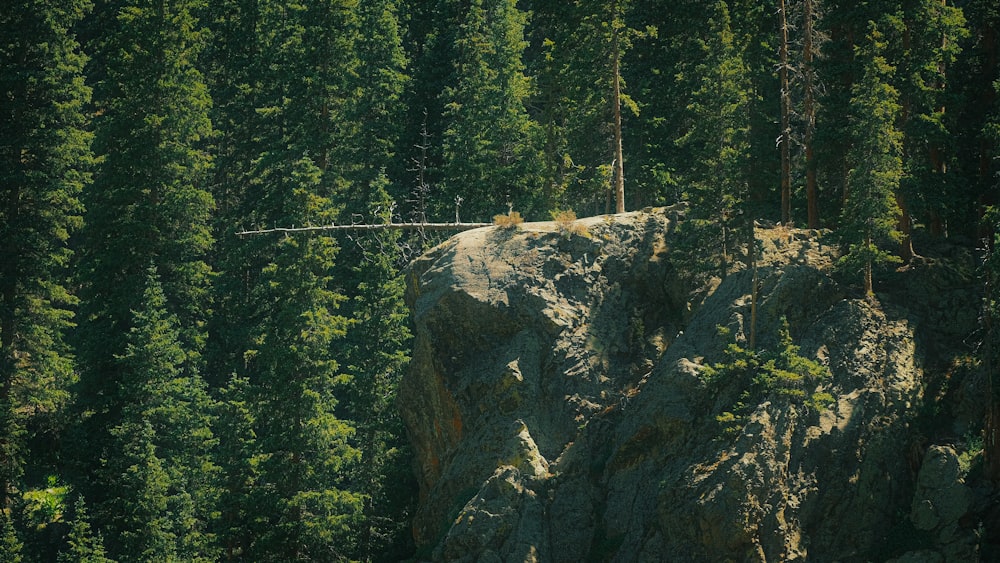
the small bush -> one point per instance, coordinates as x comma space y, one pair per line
971, 451
566, 223
821, 401
510, 221
564, 217
729, 423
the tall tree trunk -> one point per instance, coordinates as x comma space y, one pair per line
936, 223
904, 223
812, 190
752, 251
616, 104
991, 430
989, 41
905, 226
991, 427
786, 126
939, 164
869, 287
553, 160
8, 361
809, 113
7, 367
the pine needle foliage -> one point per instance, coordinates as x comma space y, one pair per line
83, 546
780, 374
45, 163
489, 141
870, 211
10, 545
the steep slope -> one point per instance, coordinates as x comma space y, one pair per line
561, 405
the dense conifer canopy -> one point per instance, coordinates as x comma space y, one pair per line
213, 397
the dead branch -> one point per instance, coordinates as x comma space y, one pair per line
369, 228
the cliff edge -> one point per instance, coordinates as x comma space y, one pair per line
565, 402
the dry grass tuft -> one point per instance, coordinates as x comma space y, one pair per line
566, 223
510, 221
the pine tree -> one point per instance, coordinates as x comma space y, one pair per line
376, 113
147, 204
378, 102
801, 39
656, 164
303, 446
755, 39
619, 41
976, 74
143, 267
232, 62
489, 143
236, 70
376, 353
45, 161
549, 30
786, 114
136, 510
845, 24
870, 212
991, 422
148, 198
931, 33
83, 545
237, 454
717, 116
586, 105
11, 449
429, 35
160, 488
988, 142
10, 544
717, 132
285, 496
812, 43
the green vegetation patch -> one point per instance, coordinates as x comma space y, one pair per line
776, 374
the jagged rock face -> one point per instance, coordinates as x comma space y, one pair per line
559, 411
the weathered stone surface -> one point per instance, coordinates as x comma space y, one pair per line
558, 410
940, 500
941, 497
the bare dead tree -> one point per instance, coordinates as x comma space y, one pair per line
422, 188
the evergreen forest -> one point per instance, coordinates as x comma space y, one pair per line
173, 391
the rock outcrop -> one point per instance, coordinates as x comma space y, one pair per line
559, 410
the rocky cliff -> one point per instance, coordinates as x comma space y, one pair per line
561, 406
